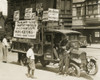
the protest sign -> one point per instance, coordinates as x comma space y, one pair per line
16, 15
26, 29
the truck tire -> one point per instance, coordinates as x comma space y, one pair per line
74, 70
43, 62
22, 59
92, 67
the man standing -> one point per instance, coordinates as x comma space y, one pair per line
64, 56
31, 62
4, 48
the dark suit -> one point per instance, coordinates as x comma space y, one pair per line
64, 57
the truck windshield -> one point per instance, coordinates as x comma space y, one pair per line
72, 37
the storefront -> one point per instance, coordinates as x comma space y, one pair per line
93, 32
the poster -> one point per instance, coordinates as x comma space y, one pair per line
16, 15
28, 13
26, 29
51, 15
45, 16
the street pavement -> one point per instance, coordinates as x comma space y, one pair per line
13, 71
95, 46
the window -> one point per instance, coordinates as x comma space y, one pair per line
62, 6
78, 11
48, 38
95, 9
65, 6
97, 34
90, 9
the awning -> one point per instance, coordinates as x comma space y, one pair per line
95, 27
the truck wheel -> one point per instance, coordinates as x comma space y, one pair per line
74, 70
92, 68
22, 59
43, 62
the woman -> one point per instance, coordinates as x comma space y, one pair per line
31, 64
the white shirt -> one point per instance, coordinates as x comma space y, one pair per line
4, 42
30, 54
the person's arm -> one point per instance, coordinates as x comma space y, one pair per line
70, 48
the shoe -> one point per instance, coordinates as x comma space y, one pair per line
58, 59
28, 75
60, 73
4, 61
33, 77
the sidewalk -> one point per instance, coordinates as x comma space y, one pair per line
95, 46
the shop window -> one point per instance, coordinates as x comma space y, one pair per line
97, 34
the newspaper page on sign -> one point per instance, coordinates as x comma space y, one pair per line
26, 29
16, 15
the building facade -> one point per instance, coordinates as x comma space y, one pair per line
64, 6
86, 18
2, 25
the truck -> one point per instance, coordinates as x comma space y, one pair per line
41, 29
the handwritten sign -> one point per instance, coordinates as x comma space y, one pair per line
45, 16
26, 29
51, 15
28, 13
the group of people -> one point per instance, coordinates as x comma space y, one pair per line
63, 57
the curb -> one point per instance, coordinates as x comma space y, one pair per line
94, 47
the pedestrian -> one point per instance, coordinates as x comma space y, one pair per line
31, 61
4, 48
64, 56
90, 39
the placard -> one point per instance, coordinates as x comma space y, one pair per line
26, 29
28, 13
53, 14
16, 15
45, 16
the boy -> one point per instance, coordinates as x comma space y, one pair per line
31, 64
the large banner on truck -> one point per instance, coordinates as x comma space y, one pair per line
26, 29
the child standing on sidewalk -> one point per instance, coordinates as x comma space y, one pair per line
31, 64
